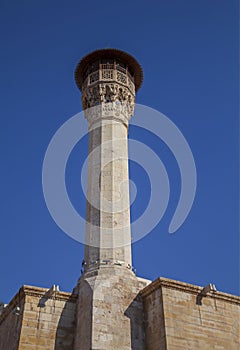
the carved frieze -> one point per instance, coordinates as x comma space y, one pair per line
120, 111
103, 99
112, 88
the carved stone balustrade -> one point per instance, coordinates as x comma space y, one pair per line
106, 76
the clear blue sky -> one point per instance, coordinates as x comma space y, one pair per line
189, 52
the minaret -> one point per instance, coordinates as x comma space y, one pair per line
108, 80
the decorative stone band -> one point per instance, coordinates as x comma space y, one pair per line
187, 288
119, 111
106, 262
106, 92
35, 292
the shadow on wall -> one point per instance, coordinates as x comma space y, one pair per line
83, 334
66, 328
62, 318
135, 313
11, 323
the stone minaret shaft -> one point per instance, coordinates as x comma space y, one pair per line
108, 80
109, 311
108, 237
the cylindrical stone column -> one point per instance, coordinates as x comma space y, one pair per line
108, 80
109, 311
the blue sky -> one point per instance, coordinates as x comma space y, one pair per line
189, 54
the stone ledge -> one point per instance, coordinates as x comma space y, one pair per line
187, 288
35, 292
40, 292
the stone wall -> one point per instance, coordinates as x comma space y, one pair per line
154, 319
111, 314
46, 321
110, 311
179, 317
10, 323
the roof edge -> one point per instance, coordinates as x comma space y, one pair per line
128, 59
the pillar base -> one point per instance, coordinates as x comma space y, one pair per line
109, 312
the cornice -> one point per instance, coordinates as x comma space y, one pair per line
36, 292
187, 288
41, 292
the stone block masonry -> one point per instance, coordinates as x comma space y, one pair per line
179, 317
115, 310
38, 318
110, 311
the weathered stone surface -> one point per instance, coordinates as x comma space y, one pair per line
10, 324
46, 320
110, 311
108, 234
179, 317
112, 314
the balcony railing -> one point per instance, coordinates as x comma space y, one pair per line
111, 73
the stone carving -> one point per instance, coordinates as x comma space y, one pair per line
94, 77
107, 74
121, 111
107, 93
122, 78
107, 84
